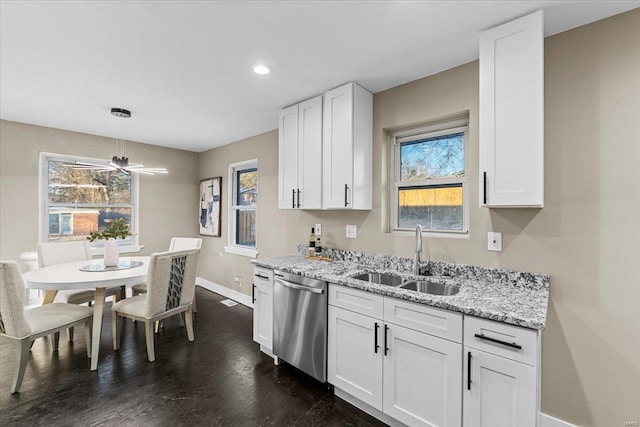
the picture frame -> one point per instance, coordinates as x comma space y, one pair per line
209, 211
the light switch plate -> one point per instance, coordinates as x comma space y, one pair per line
494, 241
352, 231
318, 229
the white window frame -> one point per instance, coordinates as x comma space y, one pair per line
232, 247
97, 248
423, 132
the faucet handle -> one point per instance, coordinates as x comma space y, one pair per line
425, 264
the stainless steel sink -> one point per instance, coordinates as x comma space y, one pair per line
381, 278
433, 288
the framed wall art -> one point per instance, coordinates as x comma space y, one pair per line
210, 195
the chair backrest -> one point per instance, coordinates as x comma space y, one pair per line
52, 253
12, 320
182, 243
171, 280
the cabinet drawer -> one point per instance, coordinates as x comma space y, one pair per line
504, 340
362, 302
422, 318
263, 276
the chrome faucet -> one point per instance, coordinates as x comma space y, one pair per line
417, 263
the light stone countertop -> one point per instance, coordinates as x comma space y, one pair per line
515, 301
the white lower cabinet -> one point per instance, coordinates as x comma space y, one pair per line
501, 392
408, 375
354, 364
422, 379
501, 374
263, 307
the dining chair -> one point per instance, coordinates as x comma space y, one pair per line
176, 244
22, 326
171, 284
51, 253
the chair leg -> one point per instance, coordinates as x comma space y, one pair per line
70, 334
23, 356
157, 326
148, 332
116, 329
193, 304
88, 326
180, 320
55, 340
188, 317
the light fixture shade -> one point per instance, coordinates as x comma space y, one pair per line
121, 112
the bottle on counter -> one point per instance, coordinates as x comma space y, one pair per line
312, 243
318, 246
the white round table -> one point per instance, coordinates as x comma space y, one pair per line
68, 276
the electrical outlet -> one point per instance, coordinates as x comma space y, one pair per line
494, 241
352, 231
238, 281
318, 229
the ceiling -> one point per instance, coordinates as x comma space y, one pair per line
183, 67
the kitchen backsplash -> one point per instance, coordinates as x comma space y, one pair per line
438, 268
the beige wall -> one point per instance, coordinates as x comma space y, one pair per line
273, 231
168, 203
587, 236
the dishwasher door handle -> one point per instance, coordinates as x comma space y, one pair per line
299, 287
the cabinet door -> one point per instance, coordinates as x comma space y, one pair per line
422, 378
502, 393
310, 153
354, 364
288, 158
263, 315
337, 148
512, 114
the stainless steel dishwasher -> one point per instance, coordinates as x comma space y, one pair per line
300, 323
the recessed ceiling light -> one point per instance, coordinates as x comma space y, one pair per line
261, 69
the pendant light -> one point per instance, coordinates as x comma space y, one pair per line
119, 161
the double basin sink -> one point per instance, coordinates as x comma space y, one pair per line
425, 286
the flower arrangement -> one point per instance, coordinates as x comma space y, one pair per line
116, 229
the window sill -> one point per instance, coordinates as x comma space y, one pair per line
446, 234
242, 251
121, 250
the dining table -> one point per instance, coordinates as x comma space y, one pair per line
88, 274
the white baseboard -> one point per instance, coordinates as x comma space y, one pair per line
549, 421
224, 291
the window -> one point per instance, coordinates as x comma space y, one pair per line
429, 179
243, 188
76, 201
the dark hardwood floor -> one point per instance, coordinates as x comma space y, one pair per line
221, 379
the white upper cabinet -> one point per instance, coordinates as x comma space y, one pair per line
347, 148
300, 156
288, 158
310, 154
512, 114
